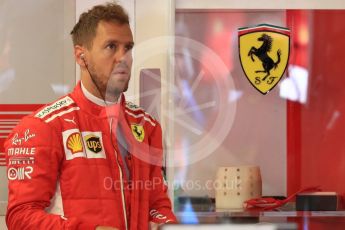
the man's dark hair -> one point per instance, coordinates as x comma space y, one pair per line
84, 31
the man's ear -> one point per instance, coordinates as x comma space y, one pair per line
79, 55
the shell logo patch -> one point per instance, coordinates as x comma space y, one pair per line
264, 53
138, 132
74, 143
93, 143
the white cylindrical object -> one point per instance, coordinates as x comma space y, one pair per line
236, 185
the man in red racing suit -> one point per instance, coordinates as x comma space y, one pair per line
90, 160
65, 159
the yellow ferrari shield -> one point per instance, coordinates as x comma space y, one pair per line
264, 54
138, 132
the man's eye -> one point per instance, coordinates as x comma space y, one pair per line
128, 48
111, 46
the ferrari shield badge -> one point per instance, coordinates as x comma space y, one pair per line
264, 53
138, 132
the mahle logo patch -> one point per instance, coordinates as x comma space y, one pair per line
93, 143
138, 132
264, 54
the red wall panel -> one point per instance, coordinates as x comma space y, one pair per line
316, 130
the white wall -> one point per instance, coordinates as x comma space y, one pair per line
36, 62
154, 27
2, 223
260, 4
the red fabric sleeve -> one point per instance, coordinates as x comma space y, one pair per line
34, 155
160, 205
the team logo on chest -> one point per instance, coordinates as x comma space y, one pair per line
93, 143
138, 132
264, 53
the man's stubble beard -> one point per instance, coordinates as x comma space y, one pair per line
107, 91
113, 91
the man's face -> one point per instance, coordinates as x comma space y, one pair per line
110, 58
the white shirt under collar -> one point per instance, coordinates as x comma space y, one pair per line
96, 100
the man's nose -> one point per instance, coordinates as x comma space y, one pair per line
123, 55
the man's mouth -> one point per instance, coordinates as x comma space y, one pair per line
121, 71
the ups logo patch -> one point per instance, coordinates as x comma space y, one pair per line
93, 143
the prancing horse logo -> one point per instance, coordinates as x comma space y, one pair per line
264, 54
261, 53
138, 132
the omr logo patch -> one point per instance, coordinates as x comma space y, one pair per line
93, 143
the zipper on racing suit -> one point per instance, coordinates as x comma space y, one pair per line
121, 179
